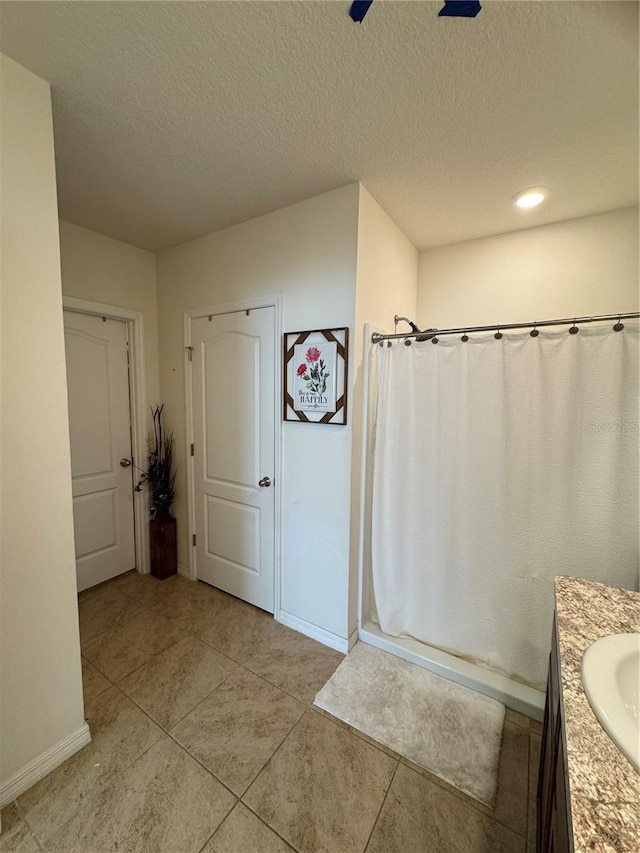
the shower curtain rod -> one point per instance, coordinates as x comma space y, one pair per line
430, 334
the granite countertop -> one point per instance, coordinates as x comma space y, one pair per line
604, 787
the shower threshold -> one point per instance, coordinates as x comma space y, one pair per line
511, 693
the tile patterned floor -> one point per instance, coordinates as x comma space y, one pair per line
205, 741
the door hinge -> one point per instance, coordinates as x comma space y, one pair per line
189, 353
192, 450
193, 539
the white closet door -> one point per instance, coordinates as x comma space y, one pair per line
233, 409
100, 430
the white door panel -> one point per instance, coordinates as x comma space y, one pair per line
100, 435
233, 409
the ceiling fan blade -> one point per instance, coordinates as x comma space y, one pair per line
359, 9
459, 9
451, 9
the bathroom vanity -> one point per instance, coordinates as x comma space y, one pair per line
588, 792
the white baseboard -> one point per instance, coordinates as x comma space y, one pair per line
185, 572
340, 644
43, 764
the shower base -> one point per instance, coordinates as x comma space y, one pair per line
511, 693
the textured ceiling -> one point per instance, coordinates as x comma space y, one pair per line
176, 119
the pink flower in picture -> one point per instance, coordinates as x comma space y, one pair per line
313, 371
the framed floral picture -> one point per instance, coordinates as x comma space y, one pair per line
315, 376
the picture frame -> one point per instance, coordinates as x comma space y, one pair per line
316, 365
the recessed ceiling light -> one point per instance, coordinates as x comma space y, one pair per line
531, 197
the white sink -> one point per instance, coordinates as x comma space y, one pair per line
611, 678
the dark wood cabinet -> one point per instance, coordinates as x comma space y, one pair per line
554, 833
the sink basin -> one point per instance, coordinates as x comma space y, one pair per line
611, 679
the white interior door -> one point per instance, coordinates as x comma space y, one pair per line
233, 414
100, 430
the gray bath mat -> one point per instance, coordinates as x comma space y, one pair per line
448, 729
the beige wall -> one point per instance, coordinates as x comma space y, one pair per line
387, 279
100, 269
41, 690
306, 252
578, 267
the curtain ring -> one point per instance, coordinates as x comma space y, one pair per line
574, 329
498, 334
465, 337
434, 340
534, 332
407, 342
618, 326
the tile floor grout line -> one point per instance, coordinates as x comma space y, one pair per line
91, 591
220, 824
165, 732
248, 669
304, 702
112, 628
215, 830
277, 686
384, 800
363, 736
103, 587
99, 693
156, 724
177, 742
269, 827
132, 597
106, 677
467, 799
112, 584
270, 759
204, 767
148, 661
271, 756
197, 705
23, 817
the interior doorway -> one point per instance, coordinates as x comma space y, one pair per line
108, 435
97, 360
233, 390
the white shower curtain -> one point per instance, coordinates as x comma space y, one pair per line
499, 464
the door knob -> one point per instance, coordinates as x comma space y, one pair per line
264, 483
125, 463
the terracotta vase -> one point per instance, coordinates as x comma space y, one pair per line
164, 549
